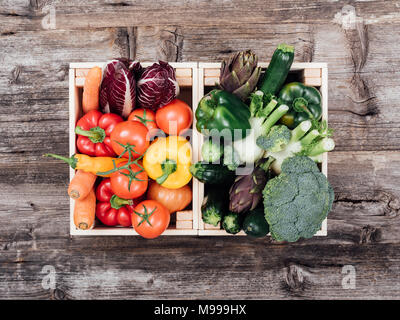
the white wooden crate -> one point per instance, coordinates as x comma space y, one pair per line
187, 77
313, 74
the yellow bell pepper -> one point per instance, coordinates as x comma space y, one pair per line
168, 160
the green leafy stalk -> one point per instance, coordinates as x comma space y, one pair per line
274, 116
72, 161
168, 167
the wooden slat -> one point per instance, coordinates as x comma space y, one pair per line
315, 82
184, 215
211, 227
312, 73
74, 14
184, 224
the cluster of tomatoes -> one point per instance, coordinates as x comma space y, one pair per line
120, 195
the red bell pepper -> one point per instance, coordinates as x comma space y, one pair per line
93, 131
112, 210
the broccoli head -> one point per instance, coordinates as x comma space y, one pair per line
277, 138
298, 200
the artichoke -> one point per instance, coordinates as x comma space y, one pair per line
239, 74
246, 192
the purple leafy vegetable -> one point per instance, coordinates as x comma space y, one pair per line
118, 88
157, 86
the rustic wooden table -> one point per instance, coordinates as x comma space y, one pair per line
360, 40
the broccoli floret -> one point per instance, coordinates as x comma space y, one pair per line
277, 138
298, 200
302, 141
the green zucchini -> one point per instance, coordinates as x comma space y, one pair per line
255, 225
231, 223
211, 173
213, 207
278, 69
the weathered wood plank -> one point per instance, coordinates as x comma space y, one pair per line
228, 268
25, 15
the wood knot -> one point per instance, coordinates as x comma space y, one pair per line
59, 294
15, 73
295, 278
150, 282
369, 234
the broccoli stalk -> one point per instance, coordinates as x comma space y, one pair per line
264, 115
302, 142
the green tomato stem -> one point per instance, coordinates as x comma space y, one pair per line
117, 202
95, 134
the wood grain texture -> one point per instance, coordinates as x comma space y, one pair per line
364, 170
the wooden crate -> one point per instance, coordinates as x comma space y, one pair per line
314, 74
185, 223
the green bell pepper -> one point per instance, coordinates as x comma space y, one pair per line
222, 110
304, 103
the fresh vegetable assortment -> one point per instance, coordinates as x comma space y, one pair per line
264, 138
124, 107
273, 131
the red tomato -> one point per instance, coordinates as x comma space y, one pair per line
126, 189
175, 117
133, 133
144, 116
150, 219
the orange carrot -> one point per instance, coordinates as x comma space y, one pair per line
81, 184
91, 88
85, 211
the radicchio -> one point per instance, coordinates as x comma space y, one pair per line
157, 86
118, 88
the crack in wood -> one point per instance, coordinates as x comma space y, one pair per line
118, 4
170, 45
8, 33
358, 42
132, 38
309, 47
